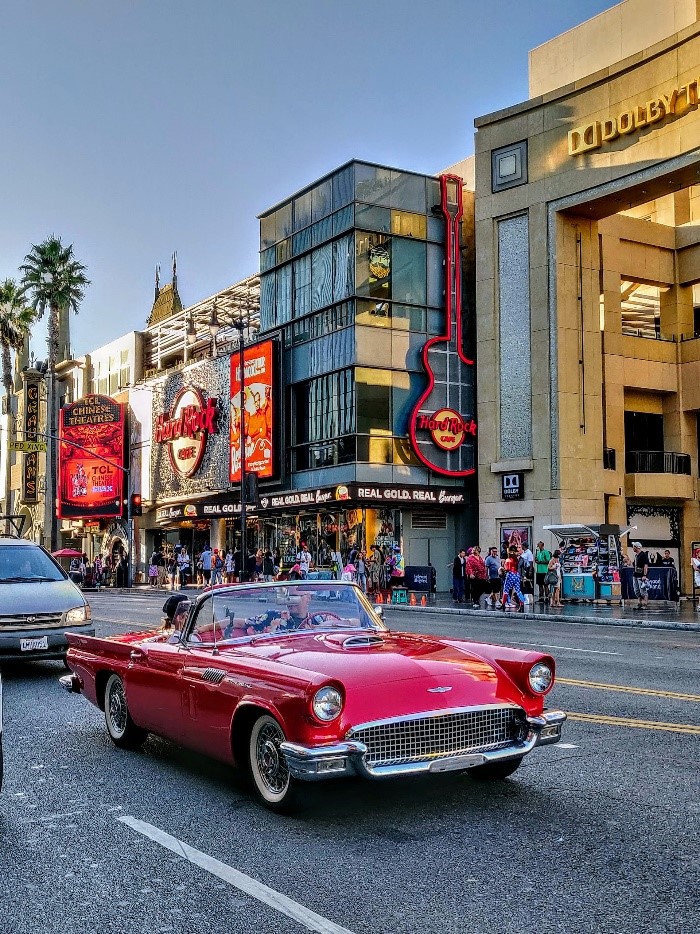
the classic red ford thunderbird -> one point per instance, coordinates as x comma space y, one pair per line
300, 682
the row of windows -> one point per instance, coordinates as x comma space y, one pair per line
355, 448
383, 267
379, 314
372, 184
366, 216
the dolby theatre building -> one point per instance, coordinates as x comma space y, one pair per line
588, 284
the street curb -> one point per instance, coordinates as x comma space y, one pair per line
556, 618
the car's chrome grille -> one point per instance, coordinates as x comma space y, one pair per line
30, 621
417, 739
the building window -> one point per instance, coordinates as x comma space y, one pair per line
644, 431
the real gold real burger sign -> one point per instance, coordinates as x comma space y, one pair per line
595, 134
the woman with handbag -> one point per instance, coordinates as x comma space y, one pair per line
553, 580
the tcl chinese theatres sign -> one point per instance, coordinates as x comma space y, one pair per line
91, 459
186, 429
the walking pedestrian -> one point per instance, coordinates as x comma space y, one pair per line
459, 573
492, 564
512, 585
206, 559
553, 578
640, 581
362, 571
542, 559
477, 576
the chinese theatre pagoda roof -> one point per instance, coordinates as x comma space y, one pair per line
165, 306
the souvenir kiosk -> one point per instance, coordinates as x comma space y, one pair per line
590, 561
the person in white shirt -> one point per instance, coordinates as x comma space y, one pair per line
304, 560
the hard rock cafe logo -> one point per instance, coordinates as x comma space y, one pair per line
187, 428
447, 428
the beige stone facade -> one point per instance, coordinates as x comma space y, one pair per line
587, 217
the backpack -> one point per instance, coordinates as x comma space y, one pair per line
218, 563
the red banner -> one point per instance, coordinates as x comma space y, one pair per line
258, 388
91, 453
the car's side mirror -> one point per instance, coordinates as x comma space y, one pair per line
379, 610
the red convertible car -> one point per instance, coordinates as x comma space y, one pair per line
300, 682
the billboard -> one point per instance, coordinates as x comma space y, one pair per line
91, 453
258, 418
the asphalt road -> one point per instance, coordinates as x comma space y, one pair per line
600, 833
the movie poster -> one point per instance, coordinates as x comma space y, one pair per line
91, 451
258, 394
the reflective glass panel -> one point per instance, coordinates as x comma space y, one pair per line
373, 389
408, 271
302, 211
267, 231
373, 217
408, 225
321, 200
343, 219
301, 241
321, 277
283, 221
372, 184
436, 275
343, 187
408, 192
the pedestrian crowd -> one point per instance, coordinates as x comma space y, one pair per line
504, 580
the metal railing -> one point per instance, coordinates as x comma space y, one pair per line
657, 462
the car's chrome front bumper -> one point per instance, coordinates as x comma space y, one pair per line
315, 763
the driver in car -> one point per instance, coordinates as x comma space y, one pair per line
296, 616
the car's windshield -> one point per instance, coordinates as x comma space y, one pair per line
245, 612
23, 563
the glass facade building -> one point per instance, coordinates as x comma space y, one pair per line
352, 280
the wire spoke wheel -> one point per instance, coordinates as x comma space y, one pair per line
117, 710
268, 767
121, 728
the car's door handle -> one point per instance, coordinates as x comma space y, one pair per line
137, 655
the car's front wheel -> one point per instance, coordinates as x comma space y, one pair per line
121, 728
272, 782
494, 771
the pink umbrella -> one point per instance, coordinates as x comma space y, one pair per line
67, 553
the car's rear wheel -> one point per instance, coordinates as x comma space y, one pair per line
494, 771
121, 728
270, 776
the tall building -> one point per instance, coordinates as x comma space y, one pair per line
366, 282
588, 275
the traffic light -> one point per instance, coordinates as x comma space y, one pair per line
136, 504
251, 489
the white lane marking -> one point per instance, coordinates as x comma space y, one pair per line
286, 906
566, 746
569, 648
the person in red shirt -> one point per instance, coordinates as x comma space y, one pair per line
476, 575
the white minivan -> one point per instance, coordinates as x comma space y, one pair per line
38, 603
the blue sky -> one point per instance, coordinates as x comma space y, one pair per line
132, 129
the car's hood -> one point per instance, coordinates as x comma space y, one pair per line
440, 674
28, 598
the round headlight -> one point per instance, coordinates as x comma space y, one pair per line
327, 704
541, 677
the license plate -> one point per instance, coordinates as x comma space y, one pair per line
31, 645
457, 763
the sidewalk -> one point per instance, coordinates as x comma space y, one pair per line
661, 614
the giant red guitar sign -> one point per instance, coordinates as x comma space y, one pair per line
442, 426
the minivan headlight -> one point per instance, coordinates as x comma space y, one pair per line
79, 614
327, 704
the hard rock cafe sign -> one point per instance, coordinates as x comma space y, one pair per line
447, 428
186, 429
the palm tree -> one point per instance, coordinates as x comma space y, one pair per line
15, 324
53, 279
